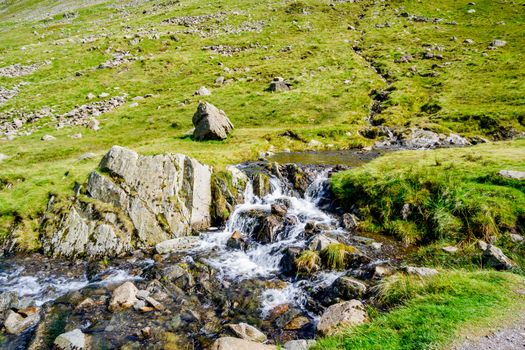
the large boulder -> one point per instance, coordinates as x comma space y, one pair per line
230, 343
210, 123
345, 314
74, 340
133, 202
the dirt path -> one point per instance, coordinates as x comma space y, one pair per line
511, 337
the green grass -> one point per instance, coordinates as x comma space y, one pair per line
433, 312
447, 195
329, 103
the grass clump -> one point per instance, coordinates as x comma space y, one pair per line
308, 262
450, 195
335, 255
432, 311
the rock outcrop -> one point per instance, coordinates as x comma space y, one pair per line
210, 123
134, 201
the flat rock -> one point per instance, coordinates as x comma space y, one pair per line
421, 271
177, 244
74, 340
300, 344
247, 332
342, 315
512, 174
230, 343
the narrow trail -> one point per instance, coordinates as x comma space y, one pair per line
510, 337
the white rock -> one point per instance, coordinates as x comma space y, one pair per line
203, 91
87, 155
48, 138
247, 332
103, 95
74, 340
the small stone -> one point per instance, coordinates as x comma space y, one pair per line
76, 136
103, 95
450, 249
512, 174
301, 344
516, 238
471, 11
219, 81
498, 43
48, 138
90, 96
87, 155
203, 91
468, 41
314, 143
421, 271
133, 104
482, 245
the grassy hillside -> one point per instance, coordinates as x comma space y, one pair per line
334, 53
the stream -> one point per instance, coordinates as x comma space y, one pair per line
219, 281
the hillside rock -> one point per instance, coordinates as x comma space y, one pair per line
210, 123
74, 340
345, 314
496, 258
512, 174
279, 84
137, 201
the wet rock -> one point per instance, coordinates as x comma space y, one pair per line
349, 222
210, 123
74, 340
268, 229
420, 271
8, 300
348, 288
287, 264
297, 323
279, 84
301, 344
279, 209
512, 174
320, 242
137, 201
123, 297
345, 314
261, 184
177, 244
17, 322
229, 343
180, 275
236, 241
495, 258
247, 332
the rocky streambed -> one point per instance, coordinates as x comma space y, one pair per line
269, 274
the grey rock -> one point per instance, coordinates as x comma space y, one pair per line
421, 271
512, 174
147, 200
300, 344
210, 123
16, 323
449, 249
247, 332
320, 242
348, 288
495, 258
87, 155
514, 237
177, 244
74, 340
230, 343
341, 315
498, 43
3, 157
279, 84
203, 91
124, 297
48, 138
349, 222
8, 300
482, 245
